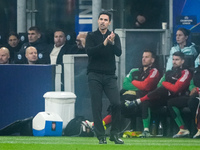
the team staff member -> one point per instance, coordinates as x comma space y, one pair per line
102, 46
173, 84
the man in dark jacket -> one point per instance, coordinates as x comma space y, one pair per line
59, 48
14, 45
36, 40
102, 46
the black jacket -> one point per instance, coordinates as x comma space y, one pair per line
13, 51
76, 50
102, 58
43, 51
196, 76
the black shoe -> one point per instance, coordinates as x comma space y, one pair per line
116, 139
102, 140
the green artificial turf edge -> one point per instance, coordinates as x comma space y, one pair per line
86, 143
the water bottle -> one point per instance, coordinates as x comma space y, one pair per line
160, 129
154, 129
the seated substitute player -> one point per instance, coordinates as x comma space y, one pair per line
174, 83
192, 102
137, 83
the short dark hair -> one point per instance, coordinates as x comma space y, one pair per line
185, 31
152, 53
12, 33
180, 54
105, 13
61, 30
34, 28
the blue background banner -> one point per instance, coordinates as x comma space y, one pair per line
184, 8
22, 88
186, 20
83, 18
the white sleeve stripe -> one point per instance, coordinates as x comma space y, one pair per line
185, 76
130, 72
155, 71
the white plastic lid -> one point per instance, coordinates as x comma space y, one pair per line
40, 119
59, 95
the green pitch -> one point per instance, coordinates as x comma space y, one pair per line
83, 143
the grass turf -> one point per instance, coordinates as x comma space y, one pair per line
85, 143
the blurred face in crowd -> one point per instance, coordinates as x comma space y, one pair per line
4, 55
59, 38
177, 61
103, 22
33, 36
13, 41
147, 59
80, 40
181, 38
31, 55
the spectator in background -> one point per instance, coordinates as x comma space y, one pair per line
184, 46
31, 55
4, 55
59, 48
13, 45
80, 40
79, 48
35, 39
145, 14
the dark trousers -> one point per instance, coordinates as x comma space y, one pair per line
184, 101
158, 98
193, 104
99, 83
179, 102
